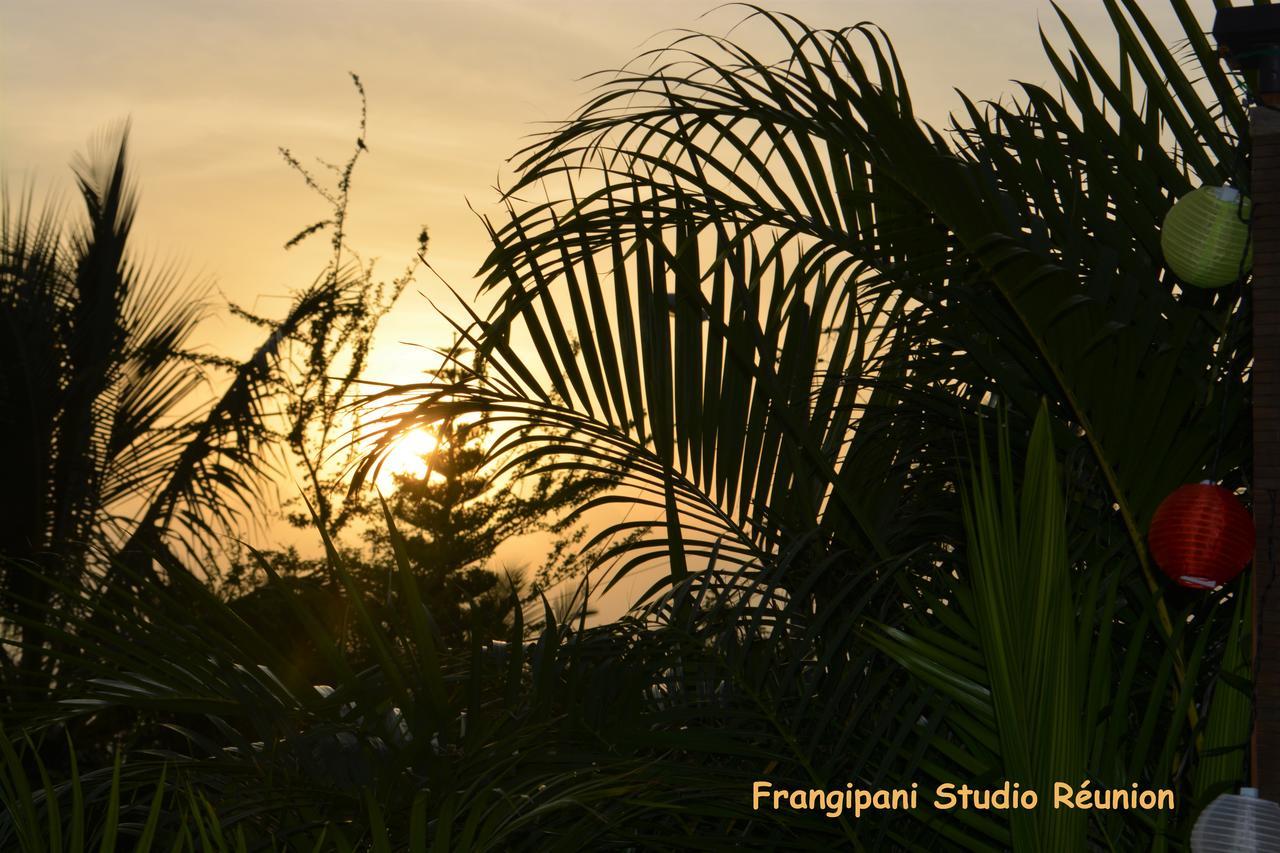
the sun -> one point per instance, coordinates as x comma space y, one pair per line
406, 457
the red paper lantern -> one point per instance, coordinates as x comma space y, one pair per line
1201, 535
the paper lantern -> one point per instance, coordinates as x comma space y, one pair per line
1201, 535
1237, 822
1204, 239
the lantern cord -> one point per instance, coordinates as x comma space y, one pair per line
1224, 356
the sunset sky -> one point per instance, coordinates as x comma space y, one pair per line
454, 89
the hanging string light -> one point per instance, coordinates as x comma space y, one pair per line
1234, 822
1205, 237
1201, 536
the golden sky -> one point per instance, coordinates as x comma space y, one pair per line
454, 88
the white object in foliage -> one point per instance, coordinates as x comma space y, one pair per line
1238, 823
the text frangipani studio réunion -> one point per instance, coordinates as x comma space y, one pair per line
949, 795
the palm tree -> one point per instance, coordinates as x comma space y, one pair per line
118, 460
789, 308
787, 301
93, 380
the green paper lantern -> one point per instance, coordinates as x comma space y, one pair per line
1204, 239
